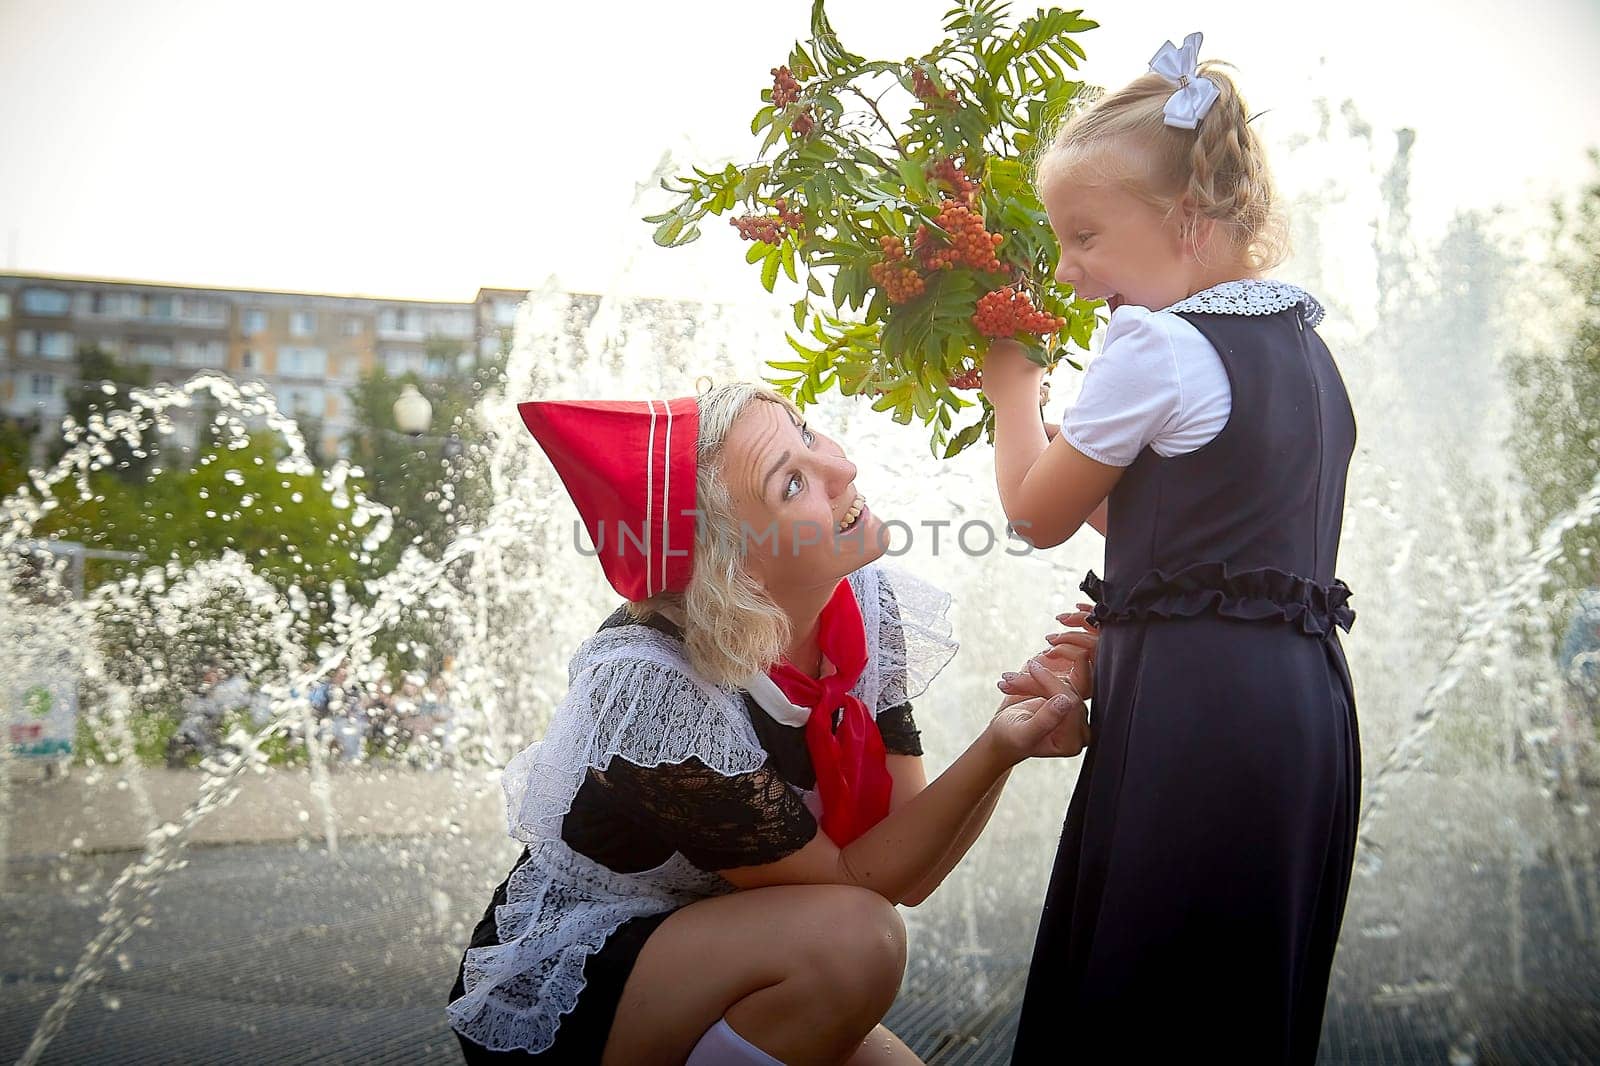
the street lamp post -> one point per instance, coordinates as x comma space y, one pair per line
413, 414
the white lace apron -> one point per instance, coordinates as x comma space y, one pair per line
632, 693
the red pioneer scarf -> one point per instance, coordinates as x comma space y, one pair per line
852, 770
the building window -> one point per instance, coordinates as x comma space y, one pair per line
41, 384
114, 304
44, 344
352, 327
160, 308
153, 353
397, 361
300, 401
252, 322
45, 302
400, 320
5, 305
199, 311
302, 362
249, 360
453, 324
202, 353
302, 323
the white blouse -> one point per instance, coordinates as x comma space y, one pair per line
1158, 383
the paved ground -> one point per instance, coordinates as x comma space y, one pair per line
282, 954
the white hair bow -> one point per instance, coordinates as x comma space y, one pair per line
1180, 66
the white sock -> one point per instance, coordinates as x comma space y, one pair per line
721, 1046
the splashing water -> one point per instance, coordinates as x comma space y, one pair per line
513, 597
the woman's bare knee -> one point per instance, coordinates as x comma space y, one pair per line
858, 962
882, 1048
818, 963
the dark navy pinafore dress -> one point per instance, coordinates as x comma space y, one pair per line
1201, 878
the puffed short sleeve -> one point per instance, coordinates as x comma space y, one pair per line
1130, 393
899, 731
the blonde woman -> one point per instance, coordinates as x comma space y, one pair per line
730, 801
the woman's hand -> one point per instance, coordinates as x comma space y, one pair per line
1052, 726
1009, 376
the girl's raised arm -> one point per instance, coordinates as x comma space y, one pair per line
1047, 487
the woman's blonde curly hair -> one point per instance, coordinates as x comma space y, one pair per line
732, 629
1220, 167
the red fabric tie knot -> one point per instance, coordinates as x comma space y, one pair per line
842, 737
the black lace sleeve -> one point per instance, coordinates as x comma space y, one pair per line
715, 821
899, 731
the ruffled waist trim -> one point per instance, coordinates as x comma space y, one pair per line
1265, 595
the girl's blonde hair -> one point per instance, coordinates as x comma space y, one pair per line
1220, 167
732, 629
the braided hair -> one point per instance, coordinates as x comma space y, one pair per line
1218, 169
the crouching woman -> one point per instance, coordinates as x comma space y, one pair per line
730, 800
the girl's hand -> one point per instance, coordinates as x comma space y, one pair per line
1055, 726
1077, 647
1009, 376
1071, 657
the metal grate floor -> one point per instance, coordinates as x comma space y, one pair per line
282, 955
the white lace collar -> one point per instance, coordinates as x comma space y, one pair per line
1252, 296
770, 698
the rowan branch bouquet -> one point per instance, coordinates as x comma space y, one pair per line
901, 192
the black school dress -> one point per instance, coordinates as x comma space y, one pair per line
631, 819
1200, 882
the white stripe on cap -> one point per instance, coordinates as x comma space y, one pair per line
649, 496
666, 492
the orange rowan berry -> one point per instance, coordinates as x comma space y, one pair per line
1008, 311
970, 378
785, 89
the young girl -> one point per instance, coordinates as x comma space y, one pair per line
1201, 878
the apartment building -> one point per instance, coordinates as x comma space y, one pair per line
309, 348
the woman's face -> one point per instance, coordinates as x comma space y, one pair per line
793, 490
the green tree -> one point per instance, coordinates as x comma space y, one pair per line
1557, 432
432, 481
435, 484
287, 526
104, 386
14, 441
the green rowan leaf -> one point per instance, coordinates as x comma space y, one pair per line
667, 233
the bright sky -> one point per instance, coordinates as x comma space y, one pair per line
424, 150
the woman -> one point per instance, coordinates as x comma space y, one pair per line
730, 801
